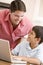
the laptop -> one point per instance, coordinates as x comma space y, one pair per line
5, 53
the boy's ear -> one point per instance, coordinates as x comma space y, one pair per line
38, 39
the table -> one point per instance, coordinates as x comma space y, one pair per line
8, 63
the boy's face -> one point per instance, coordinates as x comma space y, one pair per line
16, 17
32, 37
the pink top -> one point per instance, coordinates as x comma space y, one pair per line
6, 28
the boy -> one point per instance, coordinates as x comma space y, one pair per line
31, 50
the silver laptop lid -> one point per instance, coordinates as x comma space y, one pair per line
5, 50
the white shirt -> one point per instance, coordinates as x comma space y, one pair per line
24, 49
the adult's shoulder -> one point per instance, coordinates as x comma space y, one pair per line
27, 20
27, 23
3, 14
4, 10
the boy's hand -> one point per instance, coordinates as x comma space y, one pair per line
22, 58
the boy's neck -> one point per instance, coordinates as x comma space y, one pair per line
33, 45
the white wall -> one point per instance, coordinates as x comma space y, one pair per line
30, 4
41, 9
38, 13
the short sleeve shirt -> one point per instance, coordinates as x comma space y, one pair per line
24, 49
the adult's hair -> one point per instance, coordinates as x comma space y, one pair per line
39, 32
17, 5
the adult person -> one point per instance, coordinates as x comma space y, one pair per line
13, 24
31, 50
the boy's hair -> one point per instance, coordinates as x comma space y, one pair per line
17, 5
39, 32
